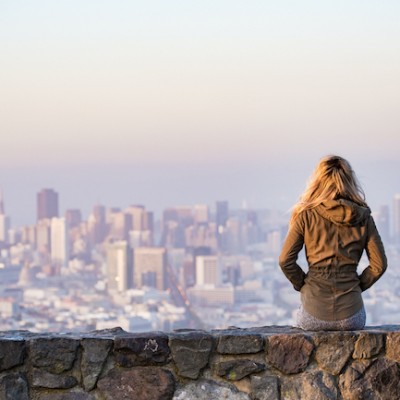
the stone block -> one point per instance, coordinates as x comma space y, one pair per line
289, 353
393, 346
144, 383
71, 395
368, 344
237, 343
14, 386
190, 352
145, 349
309, 386
12, 353
94, 354
265, 388
234, 370
378, 379
53, 354
44, 379
333, 350
209, 390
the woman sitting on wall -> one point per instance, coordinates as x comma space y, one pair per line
334, 223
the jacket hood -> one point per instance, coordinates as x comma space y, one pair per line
343, 212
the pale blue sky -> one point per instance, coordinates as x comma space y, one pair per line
181, 84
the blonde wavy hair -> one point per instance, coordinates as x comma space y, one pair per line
333, 178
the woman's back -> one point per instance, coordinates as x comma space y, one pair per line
334, 224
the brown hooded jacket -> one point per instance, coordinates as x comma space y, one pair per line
335, 235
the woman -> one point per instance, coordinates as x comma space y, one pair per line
334, 223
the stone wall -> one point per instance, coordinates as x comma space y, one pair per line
266, 363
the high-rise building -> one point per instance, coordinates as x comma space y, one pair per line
4, 222
120, 225
221, 217
42, 236
222, 213
150, 265
73, 217
1, 203
97, 225
208, 271
383, 223
47, 204
119, 266
396, 219
59, 242
201, 213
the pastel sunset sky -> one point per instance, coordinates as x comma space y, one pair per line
168, 102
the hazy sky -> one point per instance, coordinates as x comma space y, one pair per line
105, 99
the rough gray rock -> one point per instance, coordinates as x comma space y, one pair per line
289, 353
190, 352
94, 354
393, 346
368, 344
374, 380
44, 379
333, 350
53, 354
309, 386
237, 343
141, 349
265, 388
144, 383
209, 390
234, 370
14, 387
12, 353
72, 395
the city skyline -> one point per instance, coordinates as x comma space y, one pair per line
272, 187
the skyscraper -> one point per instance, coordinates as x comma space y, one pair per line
47, 204
221, 217
208, 270
119, 266
150, 265
4, 222
59, 242
382, 219
396, 219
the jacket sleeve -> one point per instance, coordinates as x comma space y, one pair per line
288, 258
376, 256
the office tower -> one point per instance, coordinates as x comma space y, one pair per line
221, 217
233, 234
137, 213
73, 218
1, 203
43, 236
396, 219
47, 204
97, 225
274, 242
59, 242
119, 266
208, 270
201, 213
120, 225
383, 223
4, 222
141, 234
150, 265
140, 239
222, 213
4, 228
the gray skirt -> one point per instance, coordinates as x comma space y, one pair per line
309, 323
